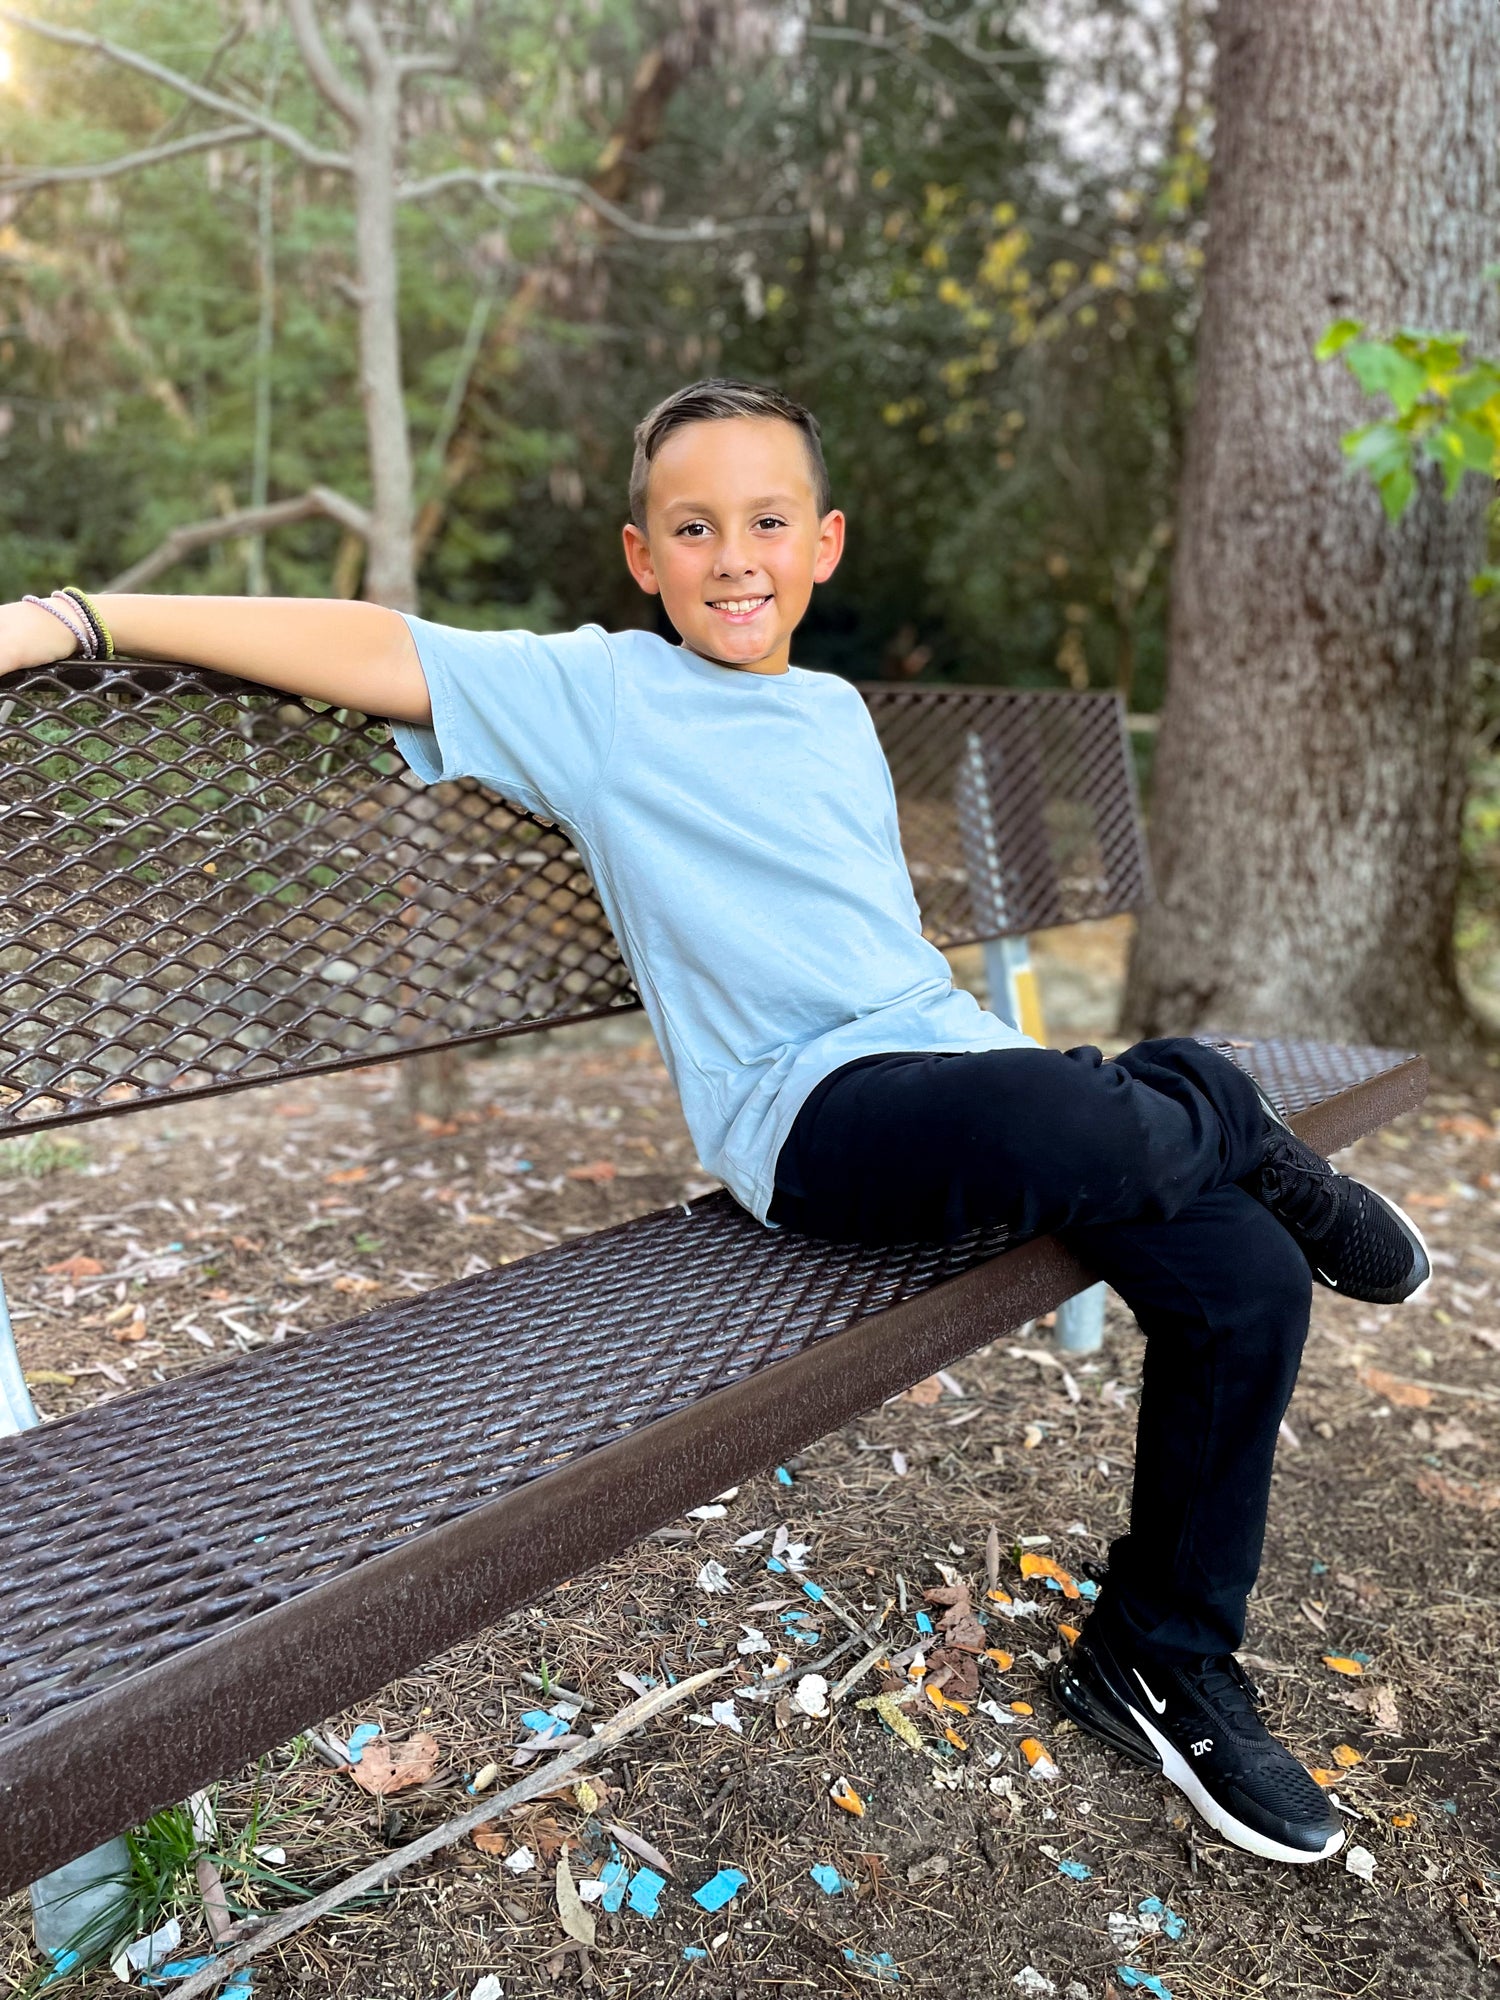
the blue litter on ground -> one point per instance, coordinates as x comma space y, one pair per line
774, 1563
1146, 1981
1317, 1569
358, 1738
645, 1891
814, 1591
1076, 1871
720, 1889
62, 1965
540, 1721
1363, 1658
614, 1875
879, 1966
1172, 1925
1088, 1590
694, 1951
924, 1623
806, 1636
827, 1878
783, 1477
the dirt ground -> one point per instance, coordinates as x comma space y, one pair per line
226, 1224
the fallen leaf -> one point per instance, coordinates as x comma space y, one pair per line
50, 1378
246, 1243
490, 1840
1346, 1756
136, 1330
386, 1767
76, 1266
1321, 1775
575, 1919
1384, 1718
1033, 1564
1466, 1126
348, 1283
596, 1170
436, 1128
1341, 1665
1455, 1435
925, 1393
1484, 1499
1405, 1395
346, 1176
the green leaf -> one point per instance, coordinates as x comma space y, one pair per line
1338, 337
1488, 579
1379, 369
1377, 448
1396, 488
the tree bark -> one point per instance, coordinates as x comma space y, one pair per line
1311, 762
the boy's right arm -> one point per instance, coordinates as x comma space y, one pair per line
349, 653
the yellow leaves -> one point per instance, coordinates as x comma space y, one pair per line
998, 266
1102, 276
1061, 276
1346, 1756
881, 178
895, 1718
935, 256
1003, 214
952, 293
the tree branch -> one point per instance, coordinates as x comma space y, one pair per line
23, 180
212, 100
246, 521
488, 179
345, 99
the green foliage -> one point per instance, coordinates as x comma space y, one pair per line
1446, 407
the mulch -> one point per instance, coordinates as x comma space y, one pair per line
222, 1225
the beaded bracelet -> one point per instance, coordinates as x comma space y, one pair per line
104, 647
83, 637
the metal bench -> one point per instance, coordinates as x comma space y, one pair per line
205, 886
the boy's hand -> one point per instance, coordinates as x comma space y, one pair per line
31, 637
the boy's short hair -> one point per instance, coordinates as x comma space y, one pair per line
706, 401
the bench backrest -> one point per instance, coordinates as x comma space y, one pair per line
206, 885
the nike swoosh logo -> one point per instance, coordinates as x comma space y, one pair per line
1159, 1706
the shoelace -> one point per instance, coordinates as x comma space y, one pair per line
1300, 1188
1227, 1685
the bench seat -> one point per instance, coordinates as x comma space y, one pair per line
191, 1573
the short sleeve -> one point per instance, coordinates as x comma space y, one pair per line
531, 717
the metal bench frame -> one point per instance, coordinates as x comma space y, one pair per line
148, 1641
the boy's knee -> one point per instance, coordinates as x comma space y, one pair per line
1276, 1274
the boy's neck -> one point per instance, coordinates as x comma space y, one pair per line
778, 662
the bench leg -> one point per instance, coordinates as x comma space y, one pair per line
92, 1893
1080, 1322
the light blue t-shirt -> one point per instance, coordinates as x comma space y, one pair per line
740, 830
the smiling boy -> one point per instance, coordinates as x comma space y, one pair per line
738, 820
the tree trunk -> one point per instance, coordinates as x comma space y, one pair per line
391, 570
1311, 763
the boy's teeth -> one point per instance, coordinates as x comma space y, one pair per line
738, 604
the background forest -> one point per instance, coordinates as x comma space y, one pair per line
970, 235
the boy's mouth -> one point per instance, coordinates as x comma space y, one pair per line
739, 610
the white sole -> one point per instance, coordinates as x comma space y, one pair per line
1180, 1773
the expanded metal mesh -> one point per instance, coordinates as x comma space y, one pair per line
205, 884
133, 1530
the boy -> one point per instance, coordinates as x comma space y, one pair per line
739, 823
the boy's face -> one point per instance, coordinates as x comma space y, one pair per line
734, 542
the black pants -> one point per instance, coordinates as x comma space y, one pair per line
1134, 1164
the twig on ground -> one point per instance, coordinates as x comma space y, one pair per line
379, 1873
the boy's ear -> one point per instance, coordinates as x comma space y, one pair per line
638, 559
830, 546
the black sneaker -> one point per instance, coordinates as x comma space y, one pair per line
1198, 1724
1358, 1242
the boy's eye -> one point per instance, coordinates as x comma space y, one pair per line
770, 521
693, 528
